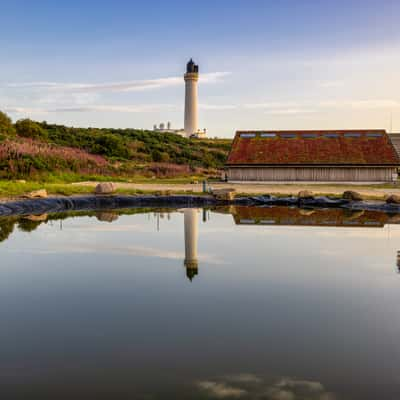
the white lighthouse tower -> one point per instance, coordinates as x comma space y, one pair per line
191, 118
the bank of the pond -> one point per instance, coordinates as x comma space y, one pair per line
368, 191
92, 202
15, 189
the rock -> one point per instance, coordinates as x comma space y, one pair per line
36, 194
351, 195
305, 194
227, 194
105, 188
393, 199
20, 181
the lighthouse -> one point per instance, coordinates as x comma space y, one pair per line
191, 118
190, 224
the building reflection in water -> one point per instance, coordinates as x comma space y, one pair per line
398, 261
331, 217
191, 233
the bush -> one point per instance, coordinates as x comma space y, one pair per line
30, 129
6, 125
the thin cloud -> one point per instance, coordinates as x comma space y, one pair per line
308, 107
127, 86
368, 104
290, 111
217, 107
271, 105
93, 108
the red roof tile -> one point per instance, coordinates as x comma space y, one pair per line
345, 147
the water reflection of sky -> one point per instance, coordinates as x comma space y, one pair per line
275, 311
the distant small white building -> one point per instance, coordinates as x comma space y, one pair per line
168, 129
161, 128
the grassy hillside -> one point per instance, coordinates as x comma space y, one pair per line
36, 149
140, 145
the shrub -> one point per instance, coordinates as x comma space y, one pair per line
6, 125
30, 129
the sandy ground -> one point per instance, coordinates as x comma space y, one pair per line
271, 188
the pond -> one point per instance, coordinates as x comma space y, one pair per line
232, 303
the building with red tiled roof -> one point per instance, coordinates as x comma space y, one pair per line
333, 156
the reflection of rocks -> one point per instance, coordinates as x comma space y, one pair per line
37, 218
305, 212
250, 386
394, 219
106, 216
356, 214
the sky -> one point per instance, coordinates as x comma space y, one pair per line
288, 64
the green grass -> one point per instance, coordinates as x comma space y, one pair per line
68, 177
12, 189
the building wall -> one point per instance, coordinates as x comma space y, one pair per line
333, 174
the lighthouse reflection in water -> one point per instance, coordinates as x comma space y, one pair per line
191, 232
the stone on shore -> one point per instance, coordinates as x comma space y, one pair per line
37, 194
352, 195
105, 188
305, 194
227, 194
393, 199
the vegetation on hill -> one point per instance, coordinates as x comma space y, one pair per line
140, 145
33, 149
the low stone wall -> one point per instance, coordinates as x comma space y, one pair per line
90, 203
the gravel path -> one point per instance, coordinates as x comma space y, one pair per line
271, 188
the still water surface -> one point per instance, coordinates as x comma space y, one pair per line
248, 303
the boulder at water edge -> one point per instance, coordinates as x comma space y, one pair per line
393, 199
37, 194
227, 194
105, 188
352, 195
305, 194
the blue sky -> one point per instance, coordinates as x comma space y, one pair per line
264, 64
